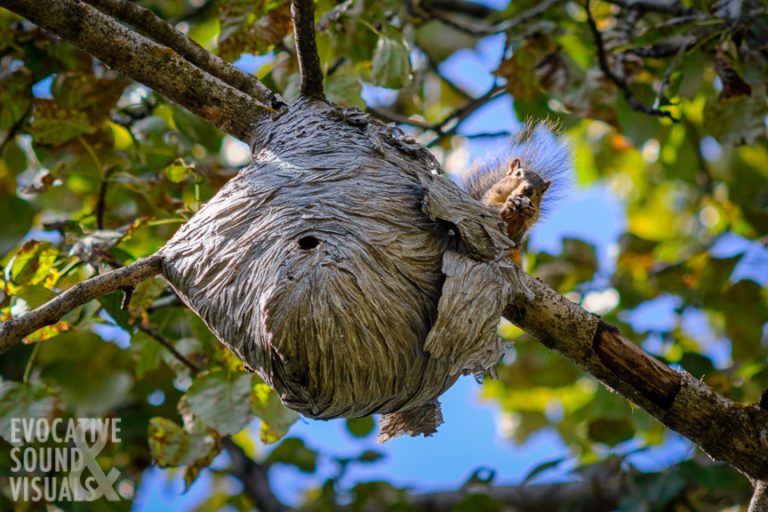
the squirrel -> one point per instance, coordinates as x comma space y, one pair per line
516, 183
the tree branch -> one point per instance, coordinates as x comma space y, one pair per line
450, 123
487, 30
15, 329
154, 27
253, 477
153, 333
147, 62
619, 81
303, 15
728, 431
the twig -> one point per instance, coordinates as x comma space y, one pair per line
154, 27
666, 6
253, 476
487, 30
147, 62
15, 127
488, 135
451, 123
303, 16
15, 329
394, 117
153, 333
620, 82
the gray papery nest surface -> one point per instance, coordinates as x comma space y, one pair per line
351, 278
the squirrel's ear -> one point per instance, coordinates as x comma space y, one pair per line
514, 165
547, 184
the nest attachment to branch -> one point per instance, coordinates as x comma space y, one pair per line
344, 272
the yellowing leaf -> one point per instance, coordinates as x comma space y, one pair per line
276, 418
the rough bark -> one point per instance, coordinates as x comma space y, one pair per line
15, 329
732, 432
303, 15
154, 27
147, 62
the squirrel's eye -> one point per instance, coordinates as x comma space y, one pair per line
519, 173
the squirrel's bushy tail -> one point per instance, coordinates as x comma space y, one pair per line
542, 149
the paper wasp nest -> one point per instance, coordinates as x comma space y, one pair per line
322, 266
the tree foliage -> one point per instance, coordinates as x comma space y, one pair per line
664, 102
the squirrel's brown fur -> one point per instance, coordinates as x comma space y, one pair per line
515, 186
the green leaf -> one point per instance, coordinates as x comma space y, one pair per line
360, 427
222, 400
541, 468
610, 431
54, 124
112, 303
276, 418
293, 451
147, 353
20, 401
33, 262
171, 445
391, 65
23, 215
178, 170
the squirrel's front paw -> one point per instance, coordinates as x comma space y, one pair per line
519, 204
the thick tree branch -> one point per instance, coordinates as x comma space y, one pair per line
147, 62
303, 15
732, 432
154, 27
15, 329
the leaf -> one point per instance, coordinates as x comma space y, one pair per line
222, 400
252, 26
477, 503
610, 431
145, 294
391, 65
33, 263
360, 427
54, 124
111, 304
171, 445
342, 87
147, 353
85, 92
178, 170
745, 310
276, 418
541, 468
520, 71
294, 452
11, 233
20, 401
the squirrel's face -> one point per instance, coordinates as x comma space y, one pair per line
518, 181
